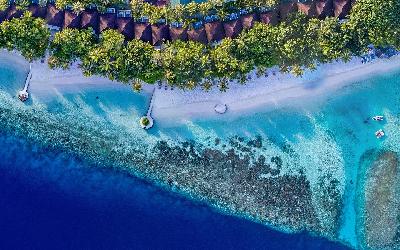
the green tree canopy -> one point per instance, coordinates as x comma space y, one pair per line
376, 22
28, 35
70, 45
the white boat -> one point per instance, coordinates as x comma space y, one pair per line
377, 118
379, 134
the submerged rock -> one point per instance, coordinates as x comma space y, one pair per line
379, 216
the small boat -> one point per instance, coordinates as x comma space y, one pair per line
379, 134
377, 118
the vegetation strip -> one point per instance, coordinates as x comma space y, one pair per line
297, 43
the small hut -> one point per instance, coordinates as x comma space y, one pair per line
341, 8
159, 34
126, 27
72, 20
90, 18
178, 33
286, 8
233, 28
54, 16
198, 35
37, 11
307, 7
143, 32
215, 31
248, 20
13, 12
324, 8
107, 21
269, 17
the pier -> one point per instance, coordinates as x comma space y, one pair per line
147, 121
23, 95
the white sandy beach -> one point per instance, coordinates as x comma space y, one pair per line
178, 105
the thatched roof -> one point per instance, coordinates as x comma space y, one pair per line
143, 32
54, 16
249, 20
233, 28
341, 8
308, 8
160, 2
37, 10
215, 31
126, 27
324, 8
270, 17
160, 33
178, 33
3, 15
72, 20
13, 12
90, 18
198, 35
107, 21
286, 8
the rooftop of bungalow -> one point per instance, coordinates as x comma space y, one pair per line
204, 29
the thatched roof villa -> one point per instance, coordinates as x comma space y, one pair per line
126, 27
248, 20
159, 34
197, 35
269, 17
307, 7
54, 16
13, 12
178, 33
341, 8
143, 32
107, 21
72, 20
286, 8
90, 18
324, 8
233, 28
215, 31
37, 10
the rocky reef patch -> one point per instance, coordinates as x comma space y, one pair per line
379, 201
278, 185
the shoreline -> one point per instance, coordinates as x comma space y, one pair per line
267, 93
174, 107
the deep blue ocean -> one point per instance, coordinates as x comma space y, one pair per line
50, 200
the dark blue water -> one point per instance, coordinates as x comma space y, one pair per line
49, 200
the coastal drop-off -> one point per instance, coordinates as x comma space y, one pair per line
292, 168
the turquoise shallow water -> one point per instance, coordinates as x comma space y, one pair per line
321, 140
